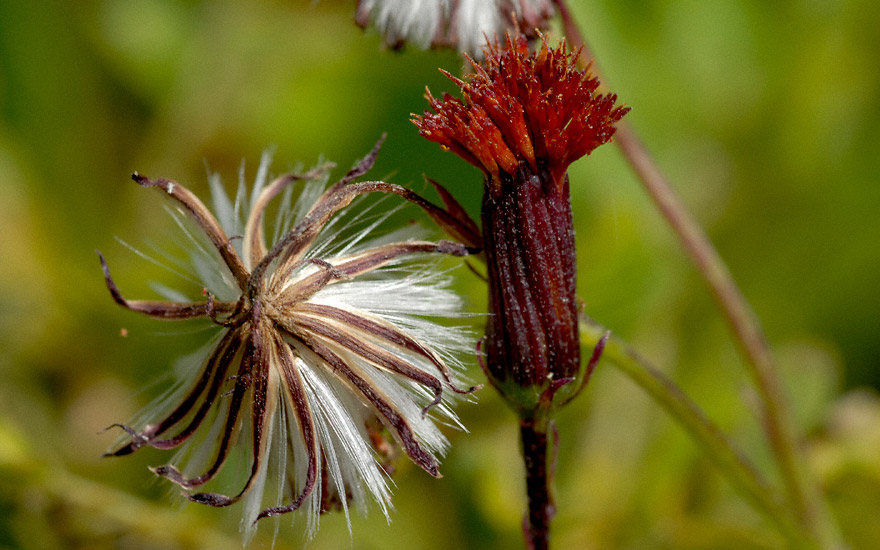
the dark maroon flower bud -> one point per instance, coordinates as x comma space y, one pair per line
524, 118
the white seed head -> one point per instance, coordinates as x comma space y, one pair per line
326, 357
460, 24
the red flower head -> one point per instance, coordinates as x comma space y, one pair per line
523, 119
521, 107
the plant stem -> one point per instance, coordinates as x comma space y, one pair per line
732, 462
778, 420
536, 527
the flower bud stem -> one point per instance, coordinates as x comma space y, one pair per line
536, 526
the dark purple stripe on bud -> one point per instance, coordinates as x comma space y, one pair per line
532, 334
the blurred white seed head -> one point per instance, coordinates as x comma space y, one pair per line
460, 24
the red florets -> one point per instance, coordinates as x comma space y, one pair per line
523, 107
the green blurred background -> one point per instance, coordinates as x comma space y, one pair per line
763, 114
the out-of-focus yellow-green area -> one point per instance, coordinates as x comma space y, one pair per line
763, 114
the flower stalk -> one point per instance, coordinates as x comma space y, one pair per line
732, 462
778, 420
535, 450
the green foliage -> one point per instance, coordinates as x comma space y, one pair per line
763, 115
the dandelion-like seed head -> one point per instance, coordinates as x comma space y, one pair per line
325, 360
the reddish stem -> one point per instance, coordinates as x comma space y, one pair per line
536, 526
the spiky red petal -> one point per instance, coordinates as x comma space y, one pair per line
537, 108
